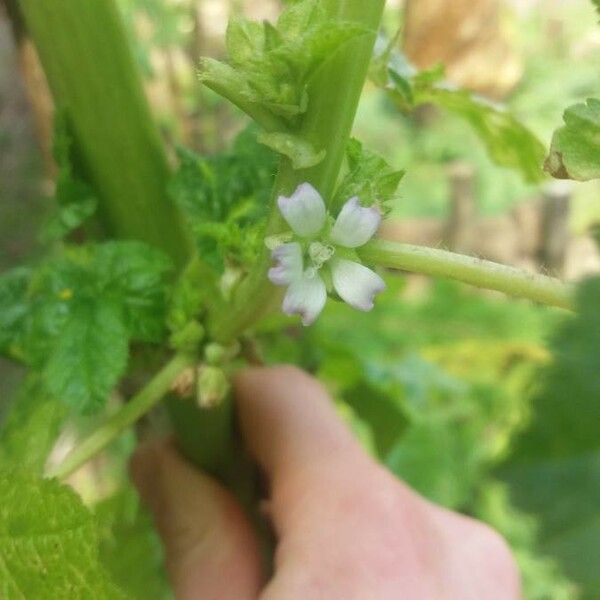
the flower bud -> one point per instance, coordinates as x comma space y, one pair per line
212, 386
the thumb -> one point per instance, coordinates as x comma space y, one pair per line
211, 551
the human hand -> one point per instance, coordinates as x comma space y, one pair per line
346, 528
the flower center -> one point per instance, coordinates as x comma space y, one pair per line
320, 253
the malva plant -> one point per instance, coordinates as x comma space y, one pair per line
190, 264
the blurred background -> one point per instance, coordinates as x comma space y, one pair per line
437, 381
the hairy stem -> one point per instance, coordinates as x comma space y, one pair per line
474, 271
138, 406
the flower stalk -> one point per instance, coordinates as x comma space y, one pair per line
125, 417
467, 269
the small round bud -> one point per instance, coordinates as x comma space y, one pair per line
212, 386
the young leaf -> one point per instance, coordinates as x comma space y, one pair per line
225, 199
575, 150
89, 357
369, 177
48, 543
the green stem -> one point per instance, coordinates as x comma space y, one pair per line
138, 406
94, 80
474, 271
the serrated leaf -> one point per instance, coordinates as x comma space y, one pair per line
225, 199
369, 177
270, 65
89, 356
575, 149
48, 543
133, 275
31, 427
300, 16
245, 41
301, 153
13, 305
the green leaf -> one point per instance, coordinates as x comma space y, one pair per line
133, 275
270, 66
245, 41
300, 16
76, 201
130, 548
48, 543
13, 306
301, 153
575, 150
508, 142
558, 457
89, 356
225, 199
369, 177
31, 427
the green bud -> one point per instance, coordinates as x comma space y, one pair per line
212, 386
217, 354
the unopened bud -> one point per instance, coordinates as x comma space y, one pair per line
212, 386
188, 338
217, 354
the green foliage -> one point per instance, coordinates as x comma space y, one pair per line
543, 578
75, 199
130, 548
31, 427
508, 142
225, 199
558, 457
270, 67
48, 543
575, 150
369, 177
72, 318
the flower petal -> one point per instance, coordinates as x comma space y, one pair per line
355, 283
306, 296
355, 224
304, 210
288, 267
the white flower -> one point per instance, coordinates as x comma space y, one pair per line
323, 249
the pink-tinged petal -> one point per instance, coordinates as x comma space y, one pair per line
306, 297
288, 264
355, 283
304, 210
355, 224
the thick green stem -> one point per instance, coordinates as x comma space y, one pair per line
93, 77
474, 271
138, 406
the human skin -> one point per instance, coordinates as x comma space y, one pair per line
346, 528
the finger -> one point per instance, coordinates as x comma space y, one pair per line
291, 427
211, 551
